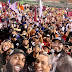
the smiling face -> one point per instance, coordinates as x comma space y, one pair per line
62, 33
46, 49
48, 38
25, 42
6, 46
57, 46
36, 49
17, 62
41, 64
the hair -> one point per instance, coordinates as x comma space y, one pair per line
35, 46
6, 40
49, 58
46, 47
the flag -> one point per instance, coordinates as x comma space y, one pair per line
35, 15
14, 7
9, 2
70, 13
44, 8
40, 8
18, 6
0, 6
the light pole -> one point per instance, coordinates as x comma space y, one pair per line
54, 2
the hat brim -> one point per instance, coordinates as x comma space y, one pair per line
15, 51
55, 40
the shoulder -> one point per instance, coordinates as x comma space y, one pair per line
63, 56
20, 46
69, 60
65, 59
64, 64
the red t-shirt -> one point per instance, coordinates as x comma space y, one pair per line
46, 43
64, 37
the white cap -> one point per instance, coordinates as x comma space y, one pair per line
48, 35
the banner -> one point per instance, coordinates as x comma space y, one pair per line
35, 15
9, 2
0, 7
70, 14
40, 8
14, 7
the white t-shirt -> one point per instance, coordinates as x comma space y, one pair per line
0, 5
19, 16
1, 25
68, 26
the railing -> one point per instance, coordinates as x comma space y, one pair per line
29, 2
47, 3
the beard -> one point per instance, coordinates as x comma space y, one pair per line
9, 67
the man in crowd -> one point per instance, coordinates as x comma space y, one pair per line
43, 63
25, 45
61, 62
25, 31
15, 61
31, 58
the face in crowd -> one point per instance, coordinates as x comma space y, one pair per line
70, 40
42, 64
6, 45
25, 42
62, 33
15, 62
46, 49
57, 46
36, 49
47, 38
29, 50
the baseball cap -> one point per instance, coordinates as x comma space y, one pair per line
60, 39
15, 51
48, 35
14, 19
25, 38
36, 46
7, 40
46, 47
13, 36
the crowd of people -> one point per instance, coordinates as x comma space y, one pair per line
33, 43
